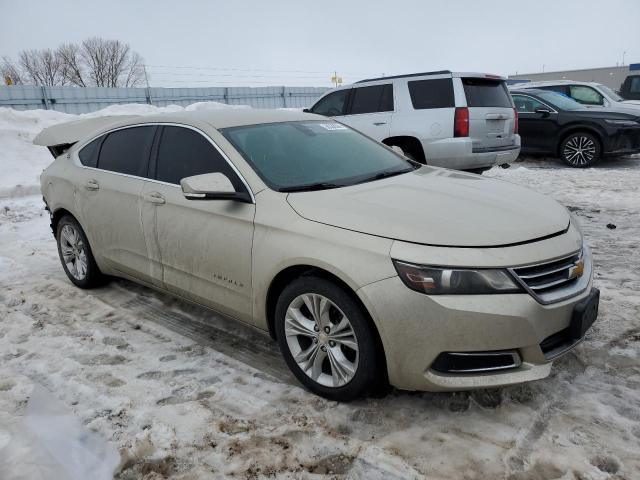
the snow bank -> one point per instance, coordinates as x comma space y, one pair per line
21, 162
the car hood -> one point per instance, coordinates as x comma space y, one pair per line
435, 206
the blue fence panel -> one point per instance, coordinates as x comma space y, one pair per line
89, 99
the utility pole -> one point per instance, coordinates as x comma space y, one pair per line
146, 79
336, 79
623, 54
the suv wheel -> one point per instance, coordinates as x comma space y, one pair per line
580, 149
326, 339
75, 254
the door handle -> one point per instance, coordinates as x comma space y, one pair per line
92, 185
155, 197
379, 123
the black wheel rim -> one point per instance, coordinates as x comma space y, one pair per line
579, 150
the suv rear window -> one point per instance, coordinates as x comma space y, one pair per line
436, 93
377, 98
482, 92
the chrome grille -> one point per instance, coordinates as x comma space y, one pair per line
557, 279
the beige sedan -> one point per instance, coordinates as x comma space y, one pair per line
366, 267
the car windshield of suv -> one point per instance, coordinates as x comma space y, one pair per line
561, 101
314, 155
610, 93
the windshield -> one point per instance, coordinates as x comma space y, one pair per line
311, 155
560, 100
611, 94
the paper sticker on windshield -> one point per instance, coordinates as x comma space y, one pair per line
333, 126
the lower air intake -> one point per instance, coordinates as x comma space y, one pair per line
476, 362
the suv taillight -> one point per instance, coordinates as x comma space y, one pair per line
515, 121
461, 122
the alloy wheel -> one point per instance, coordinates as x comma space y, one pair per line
321, 340
579, 150
74, 252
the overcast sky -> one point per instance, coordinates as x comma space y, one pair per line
298, 42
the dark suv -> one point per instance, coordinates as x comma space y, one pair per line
554, 124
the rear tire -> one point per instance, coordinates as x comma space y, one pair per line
76, 255
326, 339
580, 149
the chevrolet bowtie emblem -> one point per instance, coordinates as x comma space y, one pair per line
577, 270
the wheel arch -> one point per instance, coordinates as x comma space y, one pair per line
579, 128
292, 272
412, 144
56, 215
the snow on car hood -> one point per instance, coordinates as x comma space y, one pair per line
435, 206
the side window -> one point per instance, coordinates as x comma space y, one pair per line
635, 85
377, 98
89, 153
586, 95
333, 104
557, 88
184, 152
436, 93
527, 104
127, 151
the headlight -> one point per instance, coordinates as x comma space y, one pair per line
622, 123
455, 281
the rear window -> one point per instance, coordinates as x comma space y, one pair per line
377, 98
436, 93
127, 151
482, 92
89, 153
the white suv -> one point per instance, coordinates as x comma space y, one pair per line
456, 120
590, 94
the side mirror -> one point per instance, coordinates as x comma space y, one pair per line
212, 186
397, 149
544, 111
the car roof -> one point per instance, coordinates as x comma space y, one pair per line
544, 83
232, 117
528, 91
437, 72
78, 130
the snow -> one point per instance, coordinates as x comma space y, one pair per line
181, 392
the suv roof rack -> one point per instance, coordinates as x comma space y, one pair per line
437, 72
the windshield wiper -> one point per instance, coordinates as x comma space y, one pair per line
310, 187
385, 174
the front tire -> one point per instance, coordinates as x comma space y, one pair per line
75, 254
326, 339
580, 150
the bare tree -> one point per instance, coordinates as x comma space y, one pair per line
135, 71
96, 62
43, 67
69, 54
111, 63
11, 72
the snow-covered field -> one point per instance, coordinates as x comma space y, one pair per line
182, 393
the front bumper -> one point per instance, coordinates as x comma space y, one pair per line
415, 329
624, 141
